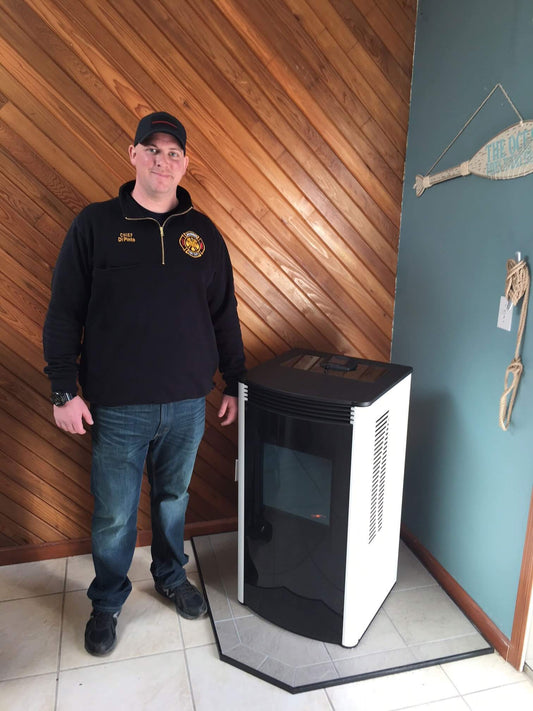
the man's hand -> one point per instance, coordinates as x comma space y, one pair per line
228, 410
70, 416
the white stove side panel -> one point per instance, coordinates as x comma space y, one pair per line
372, 566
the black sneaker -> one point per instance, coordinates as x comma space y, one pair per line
189, 600
100, 632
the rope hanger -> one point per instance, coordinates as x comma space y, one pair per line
517, 285
497, 86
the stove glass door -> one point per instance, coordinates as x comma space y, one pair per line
297, 475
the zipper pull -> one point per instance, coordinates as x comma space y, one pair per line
162, 234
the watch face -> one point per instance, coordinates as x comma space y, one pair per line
59, 399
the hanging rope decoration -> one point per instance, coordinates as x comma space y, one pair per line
516, 286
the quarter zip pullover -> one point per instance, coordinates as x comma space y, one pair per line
142, 312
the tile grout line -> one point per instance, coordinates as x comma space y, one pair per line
400, 635
189, 680
232, 617
396, 590
330, 702
477, 691
108, 662
416, 707
441, 667
60, 645
221, 578
30, 597
185, 649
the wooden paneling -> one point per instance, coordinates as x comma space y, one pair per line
296, 112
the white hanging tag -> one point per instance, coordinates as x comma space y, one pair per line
505, 314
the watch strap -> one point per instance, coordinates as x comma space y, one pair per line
60, 398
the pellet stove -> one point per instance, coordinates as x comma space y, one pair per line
320, 469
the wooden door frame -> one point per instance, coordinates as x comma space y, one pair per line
523, 598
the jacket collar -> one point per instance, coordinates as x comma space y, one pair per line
132, 209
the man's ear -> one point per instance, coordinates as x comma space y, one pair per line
132, 152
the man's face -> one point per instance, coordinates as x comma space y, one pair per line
159, 164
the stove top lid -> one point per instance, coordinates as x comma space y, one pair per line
328, 376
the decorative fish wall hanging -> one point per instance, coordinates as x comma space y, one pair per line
507, 155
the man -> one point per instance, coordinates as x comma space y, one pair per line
142, 313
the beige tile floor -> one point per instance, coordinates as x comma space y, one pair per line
164, 662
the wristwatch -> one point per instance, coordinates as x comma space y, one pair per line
60, 398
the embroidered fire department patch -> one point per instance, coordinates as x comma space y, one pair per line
192, 244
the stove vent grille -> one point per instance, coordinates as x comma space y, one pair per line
377, 497
297, 406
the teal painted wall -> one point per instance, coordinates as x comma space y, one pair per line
468, 483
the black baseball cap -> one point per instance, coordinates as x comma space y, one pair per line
160, 122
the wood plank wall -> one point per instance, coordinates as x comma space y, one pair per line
297, 115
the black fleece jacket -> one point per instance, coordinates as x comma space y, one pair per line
148, 311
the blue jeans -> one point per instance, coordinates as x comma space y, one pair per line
167, 437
